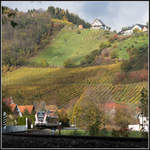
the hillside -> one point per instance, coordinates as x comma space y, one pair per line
69, 44
80, 45
63, 86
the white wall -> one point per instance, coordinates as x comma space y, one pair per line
128, 32
134, 127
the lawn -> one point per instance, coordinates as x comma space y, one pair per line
68, 44
103, 133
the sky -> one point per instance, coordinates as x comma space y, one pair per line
116, 14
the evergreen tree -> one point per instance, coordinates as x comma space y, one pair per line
144, 102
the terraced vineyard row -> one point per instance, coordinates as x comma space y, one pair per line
127, 93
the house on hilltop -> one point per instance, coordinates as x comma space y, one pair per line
129, 30
98, 24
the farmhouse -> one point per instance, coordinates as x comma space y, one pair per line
129, 30
15, 109
29, 108
98, 24
140, 27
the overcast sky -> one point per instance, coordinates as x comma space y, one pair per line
113, 13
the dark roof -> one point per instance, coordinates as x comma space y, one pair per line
140, 25
128, 28
99, 21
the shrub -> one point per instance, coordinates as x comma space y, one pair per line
104, 132
120, 77
5, 68
141, 75
120, 133
134, 76
106, 53
145, 134
21, 120
113, 38
114, 54
76, 133
89, 59
63, 118
44, 63
115, 46
104, 45
115, 133
94, 129
123, 117
6, 108
78, 31
126, 66
68, 63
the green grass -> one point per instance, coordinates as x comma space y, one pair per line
108, 133
131, 42
76, 132
69, 44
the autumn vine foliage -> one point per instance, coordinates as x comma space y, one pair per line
87, 114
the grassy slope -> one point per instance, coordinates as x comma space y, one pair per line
69, 44
131, 42
61, 85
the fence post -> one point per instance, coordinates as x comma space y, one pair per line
26, 122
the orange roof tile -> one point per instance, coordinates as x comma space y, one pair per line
26, 107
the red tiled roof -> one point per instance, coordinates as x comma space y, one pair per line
26, 107
12, 107
112, 105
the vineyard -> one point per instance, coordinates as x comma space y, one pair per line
61, 85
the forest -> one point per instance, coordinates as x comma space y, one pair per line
25, 33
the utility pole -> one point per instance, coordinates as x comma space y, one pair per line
59, 127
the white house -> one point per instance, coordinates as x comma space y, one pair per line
129, 30
98, 24
143, 123
140, 27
